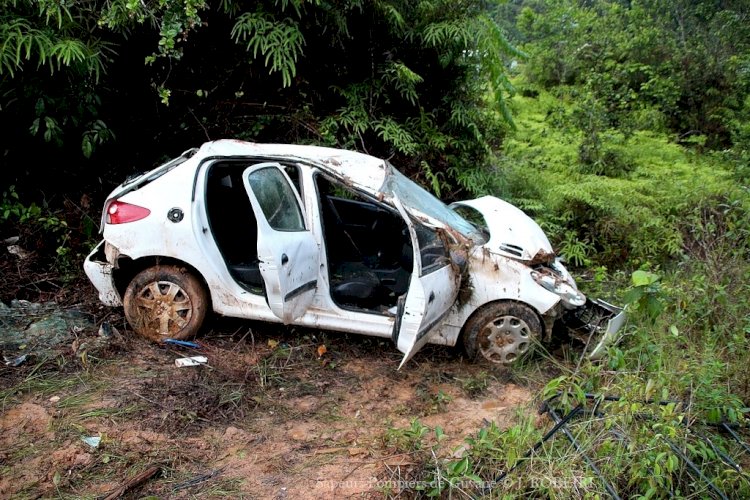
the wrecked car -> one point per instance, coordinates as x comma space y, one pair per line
332, 239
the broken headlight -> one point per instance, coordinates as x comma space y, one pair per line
556, 284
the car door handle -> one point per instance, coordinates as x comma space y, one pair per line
432, 298
284, 259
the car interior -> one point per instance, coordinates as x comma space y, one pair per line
232, 222
368, 248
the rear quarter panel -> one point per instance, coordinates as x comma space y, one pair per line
156, 234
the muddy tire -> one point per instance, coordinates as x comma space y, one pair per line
502, 333
164, 302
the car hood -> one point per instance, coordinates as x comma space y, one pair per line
513, 234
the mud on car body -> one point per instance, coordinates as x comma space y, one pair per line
337, 240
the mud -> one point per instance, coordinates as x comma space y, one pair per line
267, 418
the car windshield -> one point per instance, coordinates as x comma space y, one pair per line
414, 196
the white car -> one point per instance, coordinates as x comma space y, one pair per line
337, 240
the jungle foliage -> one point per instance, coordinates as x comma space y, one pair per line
633, 120
631, 150
412, 80
622, 126
683, 66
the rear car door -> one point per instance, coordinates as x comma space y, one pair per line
288, 254
432, 290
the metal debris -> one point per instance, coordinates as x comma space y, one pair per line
596, 400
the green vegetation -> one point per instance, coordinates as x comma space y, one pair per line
630, 152
393, 77
636, 203
630, 149
623, 127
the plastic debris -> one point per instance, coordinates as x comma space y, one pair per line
191, 361
92, 441
183, 343
16, 361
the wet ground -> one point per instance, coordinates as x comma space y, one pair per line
275, 413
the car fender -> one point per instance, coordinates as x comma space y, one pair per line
493, 278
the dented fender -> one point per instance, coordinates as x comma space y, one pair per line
494, 278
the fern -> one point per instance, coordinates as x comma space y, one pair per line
67, 52
55, 13
393, 133
436, 180
279, 43
23, 41
403, 79
392, 15
441, 33
493, 45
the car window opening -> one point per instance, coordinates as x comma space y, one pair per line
432, 249
368, 248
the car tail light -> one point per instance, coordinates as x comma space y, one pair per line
119, 212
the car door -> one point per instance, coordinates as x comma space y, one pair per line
288, 255
432, 290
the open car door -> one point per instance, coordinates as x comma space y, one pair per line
288, 254
432, 290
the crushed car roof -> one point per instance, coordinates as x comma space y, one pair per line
360, 169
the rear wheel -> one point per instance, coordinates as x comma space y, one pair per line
502, 332
164, 302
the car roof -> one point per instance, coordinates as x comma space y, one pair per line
361, 170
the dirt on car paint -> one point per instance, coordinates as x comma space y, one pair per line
542, 257
269, 416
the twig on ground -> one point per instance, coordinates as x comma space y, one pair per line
133, 482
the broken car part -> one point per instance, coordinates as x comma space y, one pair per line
182, 343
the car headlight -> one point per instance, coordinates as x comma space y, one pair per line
557, 285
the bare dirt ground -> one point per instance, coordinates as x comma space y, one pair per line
270, 416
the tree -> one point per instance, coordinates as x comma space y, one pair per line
422, 82
684, 60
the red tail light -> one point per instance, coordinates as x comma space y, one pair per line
119, 212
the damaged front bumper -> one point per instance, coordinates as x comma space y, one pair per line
597, 323
99, 271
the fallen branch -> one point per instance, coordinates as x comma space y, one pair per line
134, 482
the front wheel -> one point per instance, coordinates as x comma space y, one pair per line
164, 302
502, 332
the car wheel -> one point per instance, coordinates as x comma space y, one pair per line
164, 302
502, 332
